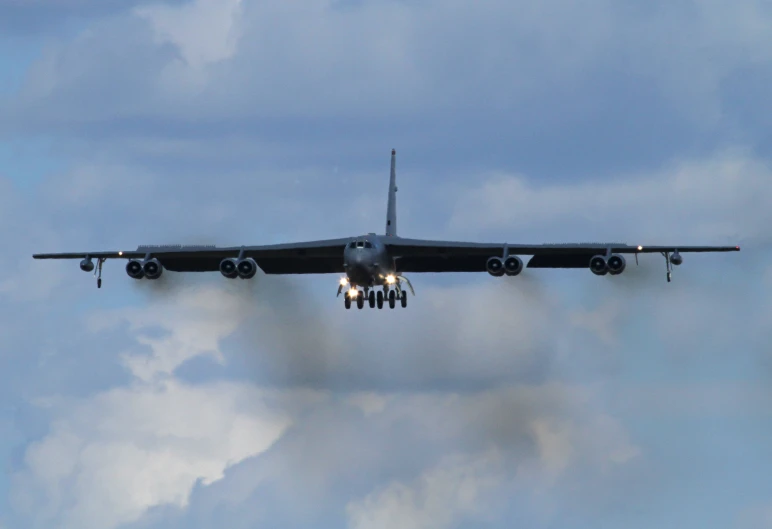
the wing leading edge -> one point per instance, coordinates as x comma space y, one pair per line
313, 257
415, 255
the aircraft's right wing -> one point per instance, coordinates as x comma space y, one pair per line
415, 255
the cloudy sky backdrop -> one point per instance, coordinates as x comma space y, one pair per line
554, 399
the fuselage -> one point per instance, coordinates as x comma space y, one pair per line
367, 261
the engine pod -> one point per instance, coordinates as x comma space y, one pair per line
247, 268
495, 266
598, 265
616, 264
513, 265
152, 268
134, 269
228, 268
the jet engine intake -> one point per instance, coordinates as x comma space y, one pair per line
616, 264
513, 265
495, 266
228, 268
152, 268
598, 265
676, 258
247, 268
135, 269
87, 265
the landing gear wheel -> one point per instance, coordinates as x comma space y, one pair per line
99, 283
379, 299
403, 299
347, 301
371, 299
360, 301
392, 299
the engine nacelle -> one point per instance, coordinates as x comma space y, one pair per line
152, 268
495, 266
676, 258
247, 268
513, 265
87, 265
134, 269
616, 264
228, 268
598, 265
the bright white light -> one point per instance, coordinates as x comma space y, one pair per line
120, 253
390, 279
352, 293
640, 248
344, 281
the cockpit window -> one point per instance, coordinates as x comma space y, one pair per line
352, 244
360, 244
368, 244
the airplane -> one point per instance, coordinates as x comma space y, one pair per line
373, 266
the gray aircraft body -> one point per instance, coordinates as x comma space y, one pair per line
373, 266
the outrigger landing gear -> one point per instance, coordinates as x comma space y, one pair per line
98, 271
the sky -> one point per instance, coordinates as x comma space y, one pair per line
552, 399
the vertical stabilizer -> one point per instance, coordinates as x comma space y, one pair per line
391, 206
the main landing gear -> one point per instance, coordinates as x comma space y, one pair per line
374, 299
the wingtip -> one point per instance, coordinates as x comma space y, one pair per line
393, 152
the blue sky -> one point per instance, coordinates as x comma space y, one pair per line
554, 399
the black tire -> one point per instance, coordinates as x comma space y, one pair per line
392, 299
347, 301
360, 301
403, 299
371, 299
379, 299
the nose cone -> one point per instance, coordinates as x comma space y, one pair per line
360, 268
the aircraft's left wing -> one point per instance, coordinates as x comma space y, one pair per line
313, 257
415, 255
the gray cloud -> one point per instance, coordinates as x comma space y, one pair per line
522, 61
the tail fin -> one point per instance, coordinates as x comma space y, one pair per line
391, 206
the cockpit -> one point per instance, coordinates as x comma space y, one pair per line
360, 244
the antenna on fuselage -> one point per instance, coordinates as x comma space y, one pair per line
391, 205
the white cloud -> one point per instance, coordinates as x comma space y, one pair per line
193, 319
108, 459
719, 200
456, 488
203, 30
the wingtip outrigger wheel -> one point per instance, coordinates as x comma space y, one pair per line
98, 271
667, 265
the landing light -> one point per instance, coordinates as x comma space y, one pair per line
343, 281
120, 253
640, 248
390, 279
352, 293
